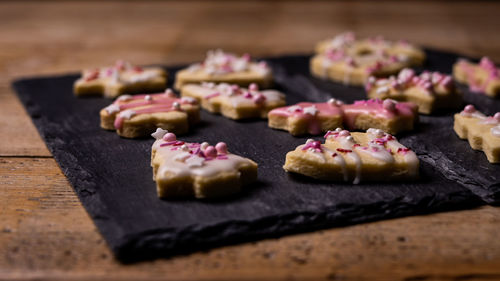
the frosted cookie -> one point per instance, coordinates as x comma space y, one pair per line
182, 169
221, 67
431, 91
482, 78
122, 78
316, 118
483, 132
139, 115
345, 156
350, 61
389, 115
234, 102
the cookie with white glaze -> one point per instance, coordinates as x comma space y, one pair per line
182, 169
482, 77
122, 78
222, 67
233, 101
356, 157
351, 61
139, 115
431, 91
482, 132
316, 118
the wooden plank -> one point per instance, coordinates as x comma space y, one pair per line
19, 136
46, 234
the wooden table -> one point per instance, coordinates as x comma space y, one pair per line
45, 233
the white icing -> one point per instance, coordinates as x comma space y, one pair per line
174, 163
382, 90
124, 97
495, 131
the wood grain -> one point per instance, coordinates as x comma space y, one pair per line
45, 234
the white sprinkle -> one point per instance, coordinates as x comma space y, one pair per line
159, 133
309, 140
125, 98
112, 108
169, 92
188, 99
184, 147
312, 110
182, 156
204, 145
148, 98
294, 108
127, 114
176, 105
195, 161
382, 90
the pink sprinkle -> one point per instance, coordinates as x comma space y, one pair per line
210, 151
344, 150
344, 133
138, 69
497, 116
389, 105
259, 98
329, 133
247, 95
222, 157
316, 145
394, 59
447, 82
169, 137
235, 87
246, 57
175, 143
334, 154
212, 95
403, 150
221, 147
92, 76
469, 108
253, 87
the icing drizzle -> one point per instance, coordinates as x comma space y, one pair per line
494, 121
122, 72
470, 70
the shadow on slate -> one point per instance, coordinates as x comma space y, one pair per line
113, 178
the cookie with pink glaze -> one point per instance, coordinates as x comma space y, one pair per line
316, 118
122, 78
482, 132
351, 61
307, 117
389, 115
222, 67
139, 115
233, 101
182, 169
356, 157
431, 91
482, 77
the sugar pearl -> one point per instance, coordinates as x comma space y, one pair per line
389, 105
253, 87
469, 108
204, 145
497, 116
169, 137
221, 147
344, 133
210, 151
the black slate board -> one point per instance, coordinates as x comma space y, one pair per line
112, 176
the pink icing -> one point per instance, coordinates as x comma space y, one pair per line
349, 112
315, 145
151, 103
384, 109
486, 64
314, 126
